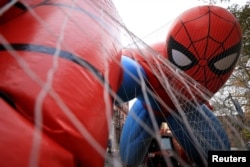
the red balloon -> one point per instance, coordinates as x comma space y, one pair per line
202, 46
205, 43
56, 60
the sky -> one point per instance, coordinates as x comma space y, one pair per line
149, 19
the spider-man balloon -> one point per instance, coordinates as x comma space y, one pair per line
53, 109
204, 42
57, 88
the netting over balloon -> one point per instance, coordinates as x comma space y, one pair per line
64, 66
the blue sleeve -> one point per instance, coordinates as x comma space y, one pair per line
136, 137
206, 134
133, 75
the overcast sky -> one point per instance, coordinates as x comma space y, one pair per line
149, 19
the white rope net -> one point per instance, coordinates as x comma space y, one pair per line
184, 92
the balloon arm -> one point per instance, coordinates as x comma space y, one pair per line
201, 132
197, 129
207, 133
137, 134
133, 74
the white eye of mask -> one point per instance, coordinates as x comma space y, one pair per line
226, 62
180, 59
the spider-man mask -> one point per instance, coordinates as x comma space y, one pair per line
205, 43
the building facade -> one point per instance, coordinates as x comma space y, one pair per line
119, 117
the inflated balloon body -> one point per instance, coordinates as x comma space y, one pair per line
204, 42
52, 63
58, 56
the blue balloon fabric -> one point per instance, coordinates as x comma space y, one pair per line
201, 132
